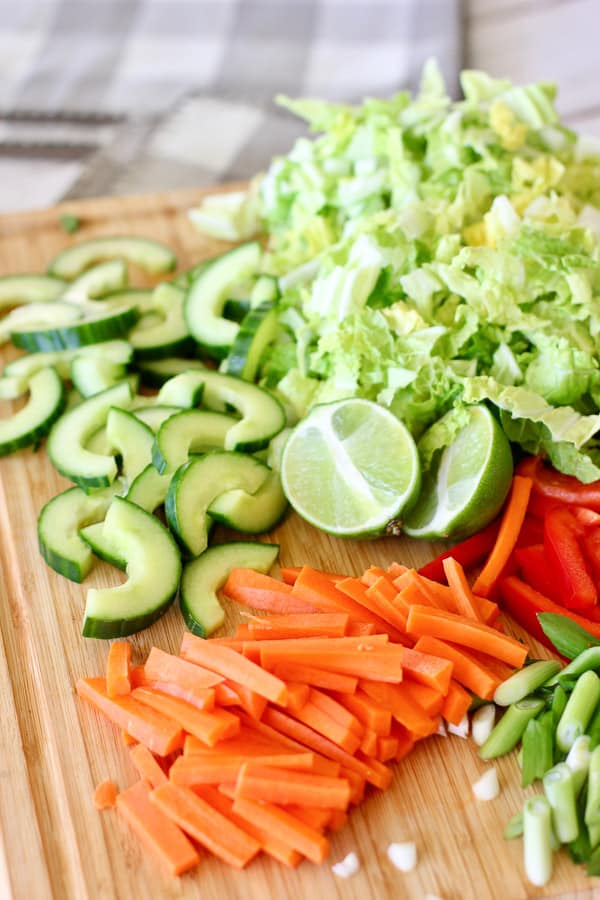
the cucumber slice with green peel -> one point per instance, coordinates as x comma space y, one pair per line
204, 576
58, 529
138, 297
15, 290
32, 422
205, 300
170, 335
25, 366
91, 329
97, 282
92, 374
149, 489
185, 279
265, 290
236, 309
99, 443
38, 316
262, 415
154, 416
131, 439
153, 565
200, 481
69, 436
150, 255
252, 513
257, 330
155, 372
189, 431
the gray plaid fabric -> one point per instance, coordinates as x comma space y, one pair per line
149, 94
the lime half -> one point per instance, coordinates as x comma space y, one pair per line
466, 487
350, 468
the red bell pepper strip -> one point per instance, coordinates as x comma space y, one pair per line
468, 553
532, 531
528, 466
566, 488
524, 603
535, 571
565, 557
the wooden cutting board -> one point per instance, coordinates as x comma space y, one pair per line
54, 750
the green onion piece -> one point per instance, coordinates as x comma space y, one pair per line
592, 806
514, 827
559, 701
70, 223
537, 840
569, 638
578, 760
587, 660
594, 836
538, 748
560, 791
593, 729
525, 682
507, 733
578, 711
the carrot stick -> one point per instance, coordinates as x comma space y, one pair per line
201, 698
159, 733
297, 694
405, 739
395, 569
196, 769
105, 794
205, 824
461, 590
356, 782
209, 727
118, 668
368, 712
427, 697
331, 681
387, 748
232, 665
423, 620
465, 669
510, 526
159, 834
441, 595
250, 741
292, 831
376, 663
359, 592
310, 815
284, 788
315, 588
161, 666
295, 625
321, 765
337, 820
433, 671
225, 695
313, 716
147, 767
361, 629
260, 591
403, 708
456, 704
336, 710
369, 742
289, 574
249, 700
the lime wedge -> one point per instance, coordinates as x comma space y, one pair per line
350, 468
467, 485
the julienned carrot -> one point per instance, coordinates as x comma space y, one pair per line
284, 788
221, 799
105, 794
456, 704
310, 815
465, 669
426, 697
367, 660
297, 694
337, 820
321, 678
201, 698
159, 733
253, 703
118, 668
468, 553
313, 716
225, 695
147, 767
294, 625
260, 591
466, 604
441, 595
289, 574
155, 830
368, 712
423, 620
394, 569
321, 765
360, 629
336, 710
161, 666
403, 708
292, 831
248, 742
406, 741
510, 526
357, 784
387, 748
426, 668
369, 742
193, 770
379, 777
209, 727
233, 666
205, 824
358, 591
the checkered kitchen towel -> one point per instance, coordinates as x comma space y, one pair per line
130, 95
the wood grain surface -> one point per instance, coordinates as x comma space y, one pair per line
54, 749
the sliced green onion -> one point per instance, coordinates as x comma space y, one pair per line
560, 791
482, 723
508, 732
593, 729
514, 827
538, 748
586, 661
537, 840
559, 701
578, 711
592, 805
578, 760
594, 836
525, 682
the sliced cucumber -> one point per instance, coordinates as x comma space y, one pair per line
205, 575
236, 309
205, 300
69, 436
257, 331
15, 290
262, 415
170, 335
150, 255
35, 419
132, 440
25, 366
185, 279
265, 290
155, 372
92, 374
97, 282
153, 567
154, 416
91, 329
189, 431
251, 513
58, 529
197, 483
38, 315
149, 489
